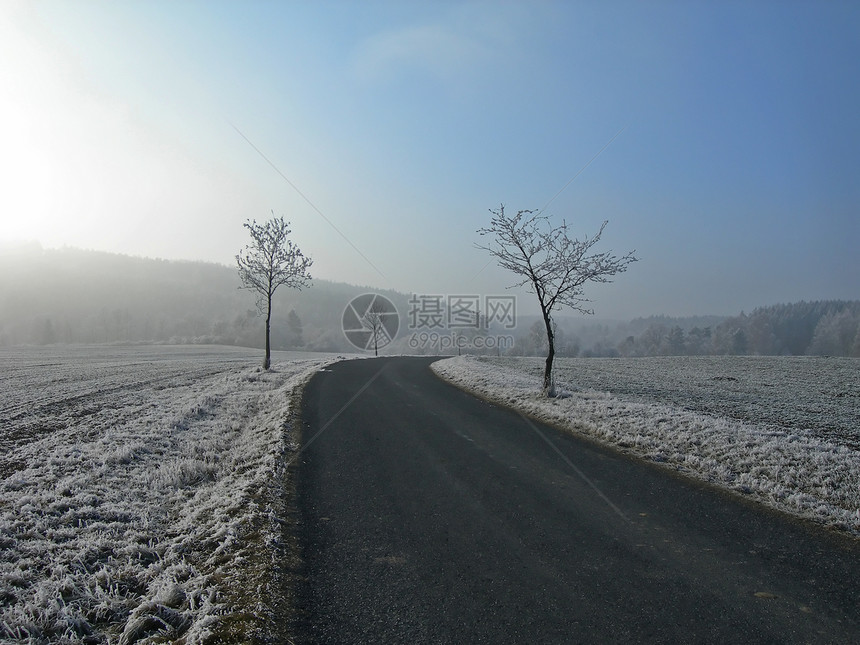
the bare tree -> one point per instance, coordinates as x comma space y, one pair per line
269, 261
555, 266
372, 321
376, 320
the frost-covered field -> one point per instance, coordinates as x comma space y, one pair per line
785, 431
135, 490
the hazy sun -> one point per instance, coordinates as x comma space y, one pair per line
31, 103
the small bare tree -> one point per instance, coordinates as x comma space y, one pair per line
381, 321
269, 261
555, 266
372, 321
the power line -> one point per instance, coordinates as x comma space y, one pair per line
310, 203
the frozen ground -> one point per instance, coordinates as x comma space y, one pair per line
135, 490
785, 431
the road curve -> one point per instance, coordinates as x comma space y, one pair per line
429, 516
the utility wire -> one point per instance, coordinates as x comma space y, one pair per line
581, 170
310, 203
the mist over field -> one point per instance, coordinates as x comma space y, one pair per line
50, 296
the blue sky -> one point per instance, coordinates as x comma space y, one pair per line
734, 175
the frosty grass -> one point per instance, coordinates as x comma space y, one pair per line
785, 431
135, 491
137, 484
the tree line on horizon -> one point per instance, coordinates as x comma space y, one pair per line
68, 296
817, 328
74, 296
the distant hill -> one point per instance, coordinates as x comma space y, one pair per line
824, 327
74, 296
828, 327
590, 337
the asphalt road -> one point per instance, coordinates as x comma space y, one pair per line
429, 516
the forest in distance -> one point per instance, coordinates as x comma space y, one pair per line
64, 296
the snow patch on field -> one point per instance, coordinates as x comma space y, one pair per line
148, 516
794, 469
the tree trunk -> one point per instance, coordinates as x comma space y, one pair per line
268, 360
547, 373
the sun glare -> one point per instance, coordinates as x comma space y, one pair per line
26, 201
30, 99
